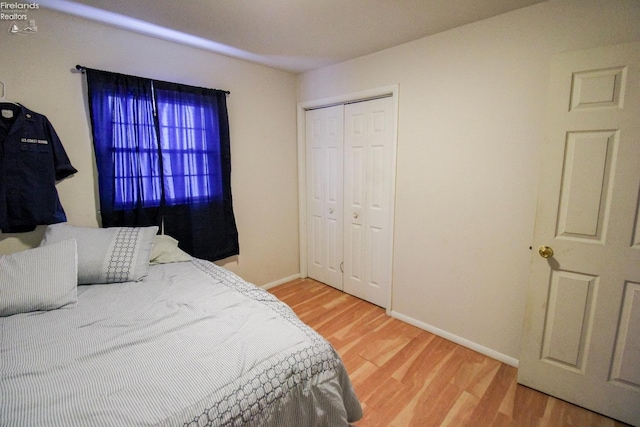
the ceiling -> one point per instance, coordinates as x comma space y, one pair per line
292, 35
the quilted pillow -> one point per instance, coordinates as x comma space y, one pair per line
107, 255
39, 279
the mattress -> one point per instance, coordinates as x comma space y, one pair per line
191, 345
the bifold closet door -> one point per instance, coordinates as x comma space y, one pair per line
324, 168
368, 199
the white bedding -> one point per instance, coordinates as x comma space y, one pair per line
193, 344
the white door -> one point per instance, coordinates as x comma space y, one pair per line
324, 168
368, 194
582, 324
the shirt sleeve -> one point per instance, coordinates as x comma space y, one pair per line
62, 164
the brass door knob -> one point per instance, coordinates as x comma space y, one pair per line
545, 252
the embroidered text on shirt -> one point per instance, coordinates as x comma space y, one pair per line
34, 141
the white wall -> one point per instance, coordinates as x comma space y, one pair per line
37, 71
471, 119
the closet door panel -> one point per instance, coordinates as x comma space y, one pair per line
324, 165
369, 161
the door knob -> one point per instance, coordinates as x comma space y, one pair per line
545, 251
330, 210
355, 214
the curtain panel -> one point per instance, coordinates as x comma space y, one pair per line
163, 158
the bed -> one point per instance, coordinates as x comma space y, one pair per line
182, 342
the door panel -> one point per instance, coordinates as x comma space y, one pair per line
627, 351
570, 316
324, 139
585, 184
582, 322
317, 243
369, 165
354, 260
356, 176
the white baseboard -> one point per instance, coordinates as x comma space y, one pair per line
280, 282
456, 339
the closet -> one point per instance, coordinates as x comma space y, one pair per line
350, 164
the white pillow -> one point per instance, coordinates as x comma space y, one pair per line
39, 279
165, 250
107, 255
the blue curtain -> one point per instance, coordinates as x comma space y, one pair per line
163, 156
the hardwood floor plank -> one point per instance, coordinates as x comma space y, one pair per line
501, 420
508, 402
406, 377
434, 405
351, 321
407, 356
384, 343
491, 400
461, 410
528, 405
361, 374
483, 372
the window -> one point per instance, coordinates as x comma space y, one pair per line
189, 150
163, 157
134, 162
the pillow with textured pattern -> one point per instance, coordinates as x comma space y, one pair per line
39, 279
107, 255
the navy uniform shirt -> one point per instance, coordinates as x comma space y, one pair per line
32, 159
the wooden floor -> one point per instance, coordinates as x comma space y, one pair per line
405, 376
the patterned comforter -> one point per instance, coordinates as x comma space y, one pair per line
192, 345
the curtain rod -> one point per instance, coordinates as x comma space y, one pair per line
82, 69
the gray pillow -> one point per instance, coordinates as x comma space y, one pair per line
165, 250
107, 255
39, 279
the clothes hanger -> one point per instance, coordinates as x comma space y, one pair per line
4, 100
